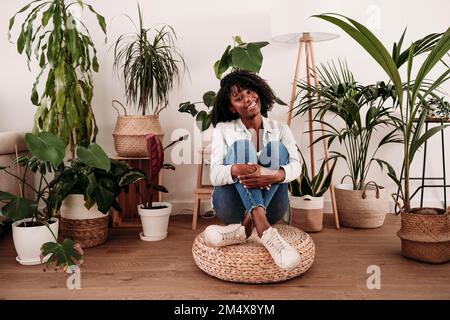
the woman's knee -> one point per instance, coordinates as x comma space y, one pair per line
274, 154
241, 151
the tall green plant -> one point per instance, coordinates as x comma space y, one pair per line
362, 110
65, 52
411, 94
147, 61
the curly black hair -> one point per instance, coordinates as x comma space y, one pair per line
243, 80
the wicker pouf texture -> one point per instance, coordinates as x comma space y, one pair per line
250, 262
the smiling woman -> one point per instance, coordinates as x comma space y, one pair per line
252, 160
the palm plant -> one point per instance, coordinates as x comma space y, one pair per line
412, 94
147, 60
64, 50
339, 94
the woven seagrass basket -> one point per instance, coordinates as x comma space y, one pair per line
88, 232
130, 131
361, 208
425, 235
250, 262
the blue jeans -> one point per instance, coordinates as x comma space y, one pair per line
231, 202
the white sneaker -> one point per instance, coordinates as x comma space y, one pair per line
220, 236
284, 255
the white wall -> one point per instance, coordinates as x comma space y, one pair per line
204, 29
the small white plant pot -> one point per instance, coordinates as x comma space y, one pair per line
155, 221
307, 213
29, 240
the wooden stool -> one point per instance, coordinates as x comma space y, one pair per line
202, 191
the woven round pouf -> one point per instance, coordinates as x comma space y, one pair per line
250, 262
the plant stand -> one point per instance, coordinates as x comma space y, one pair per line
129, 217
305, 42
422, 179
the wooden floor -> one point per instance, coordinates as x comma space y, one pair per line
127, 268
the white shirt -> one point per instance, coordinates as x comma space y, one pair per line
226, 133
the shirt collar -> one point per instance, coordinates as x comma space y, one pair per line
240, 126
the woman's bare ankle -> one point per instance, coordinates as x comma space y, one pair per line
260, 220
248, 224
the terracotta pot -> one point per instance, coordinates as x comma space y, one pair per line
425, 235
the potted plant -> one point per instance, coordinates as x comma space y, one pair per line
242, 56
65, 52
147, 62
362, 112
85, 191
306, 197
155, 215
425, 232
35, 226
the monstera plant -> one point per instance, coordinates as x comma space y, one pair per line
92, 174
61, 45
242, 56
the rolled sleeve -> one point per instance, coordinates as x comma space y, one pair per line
220, 174
293, 168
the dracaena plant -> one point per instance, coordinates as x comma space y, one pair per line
92, 174
360, 108
411, 92
147, 61
312, 186
241, 56
62, 47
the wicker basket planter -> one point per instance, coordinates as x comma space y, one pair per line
361, 208
130, 131
88, 227
425, 235
307, 213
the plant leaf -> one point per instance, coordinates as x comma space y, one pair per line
131, 177
46, 147
17, 208
208, 98
64, 254
94, 156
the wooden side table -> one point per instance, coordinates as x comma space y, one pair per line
129, 217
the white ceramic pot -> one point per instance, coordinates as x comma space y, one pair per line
73, 208
155, 221
29, 240
307, 212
